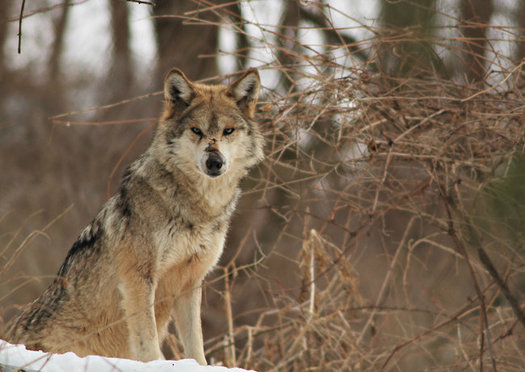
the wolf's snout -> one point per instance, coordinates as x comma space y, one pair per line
214, 164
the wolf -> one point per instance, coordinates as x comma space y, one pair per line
143, 258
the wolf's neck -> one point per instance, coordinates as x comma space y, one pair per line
216, 194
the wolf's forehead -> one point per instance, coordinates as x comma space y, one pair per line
212, 114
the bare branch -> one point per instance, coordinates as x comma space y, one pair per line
20, 26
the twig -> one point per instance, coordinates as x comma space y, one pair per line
142, 2
29, 238
7, 367
68, 123
494, 86
43, 10
20, 26
448, 202
514, 304
386, 281
229, 317
105, 107
123, 156
314, 242
452, 319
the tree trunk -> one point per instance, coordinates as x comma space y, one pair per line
52, 95
520, 54
59, 27
122, 67
243, 43
188, 47
406, 29
4, 11
287, 42
475, 15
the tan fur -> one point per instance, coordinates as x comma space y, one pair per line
142, 260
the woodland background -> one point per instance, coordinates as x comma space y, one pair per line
384, 230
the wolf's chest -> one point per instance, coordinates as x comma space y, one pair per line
186, 243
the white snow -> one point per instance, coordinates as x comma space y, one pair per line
16, 357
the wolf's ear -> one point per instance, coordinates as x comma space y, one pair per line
245, 91
177, 88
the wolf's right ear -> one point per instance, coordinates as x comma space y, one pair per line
177, 88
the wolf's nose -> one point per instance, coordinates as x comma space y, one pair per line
214, 163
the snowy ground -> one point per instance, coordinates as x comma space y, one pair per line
16, 357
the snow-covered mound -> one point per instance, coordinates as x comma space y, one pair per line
16, 357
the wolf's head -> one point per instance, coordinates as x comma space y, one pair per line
208, 130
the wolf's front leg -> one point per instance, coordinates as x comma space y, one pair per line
187, 314
138, 304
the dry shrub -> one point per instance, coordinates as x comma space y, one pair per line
376, 201
397, 216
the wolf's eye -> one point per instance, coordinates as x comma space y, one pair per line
197, 131
228, 131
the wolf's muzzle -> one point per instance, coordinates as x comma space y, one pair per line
214, 162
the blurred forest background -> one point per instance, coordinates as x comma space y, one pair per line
385, 229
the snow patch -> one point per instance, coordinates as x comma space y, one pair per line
16, 357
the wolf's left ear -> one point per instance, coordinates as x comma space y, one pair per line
245, 90
178, 88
